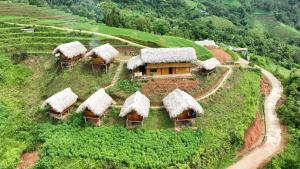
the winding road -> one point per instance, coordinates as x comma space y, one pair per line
271, 145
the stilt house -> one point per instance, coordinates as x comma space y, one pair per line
61, 103
103, 56
95, 107
181, 107
135, 109
69, 53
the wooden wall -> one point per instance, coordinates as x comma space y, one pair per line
133, 116
98, 60
168, 68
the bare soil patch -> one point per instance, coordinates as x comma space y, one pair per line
28, 160
220, 54
158, 88
253, 135
264, 86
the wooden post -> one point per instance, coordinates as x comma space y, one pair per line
93, 69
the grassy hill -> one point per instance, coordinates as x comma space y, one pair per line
29, 73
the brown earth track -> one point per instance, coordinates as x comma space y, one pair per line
28, 160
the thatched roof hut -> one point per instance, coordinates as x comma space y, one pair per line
179, 101
134, 62
138, 103
210, 64
97, 103
107, 52
162, 55
70, 50
206, 43
61, 100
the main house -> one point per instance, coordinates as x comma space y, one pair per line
162, 61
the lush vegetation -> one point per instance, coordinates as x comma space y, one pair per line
290, 116
72, 144
24, 127
28, 75
230, 22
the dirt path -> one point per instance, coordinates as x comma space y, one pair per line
214, 90
116, 77
82, 31
28, 160
271, 145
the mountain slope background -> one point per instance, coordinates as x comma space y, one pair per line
268, 28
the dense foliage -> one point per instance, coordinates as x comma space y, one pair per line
290, 116
233, 24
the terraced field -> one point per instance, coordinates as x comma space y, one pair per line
45, 16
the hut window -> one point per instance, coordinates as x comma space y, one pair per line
153, 70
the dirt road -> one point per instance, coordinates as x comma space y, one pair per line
271, 145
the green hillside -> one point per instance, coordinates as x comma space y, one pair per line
29, 73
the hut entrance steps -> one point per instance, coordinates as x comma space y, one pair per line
93, 120
98, 67
185, 123
133, 124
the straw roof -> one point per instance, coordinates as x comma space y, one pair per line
134, 62
70, 50
61, 100
178, 101
210, 64
98, 103
106, 52
138, 103
162, 55
168, 55
206, 43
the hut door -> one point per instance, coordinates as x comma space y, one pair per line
170, 70
142, 69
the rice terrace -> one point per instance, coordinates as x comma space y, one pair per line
78, 89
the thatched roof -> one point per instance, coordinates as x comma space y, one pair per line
206, 43
61, 100
138, 103
178, 101
134, 62
168, 55
106, 52
70, 50
210, 64
162, 55
98, 103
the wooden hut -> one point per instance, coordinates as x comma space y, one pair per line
162, 61
61, 103
181, 106
103, 56
209, 66
136, 109
95, 107
69, 53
